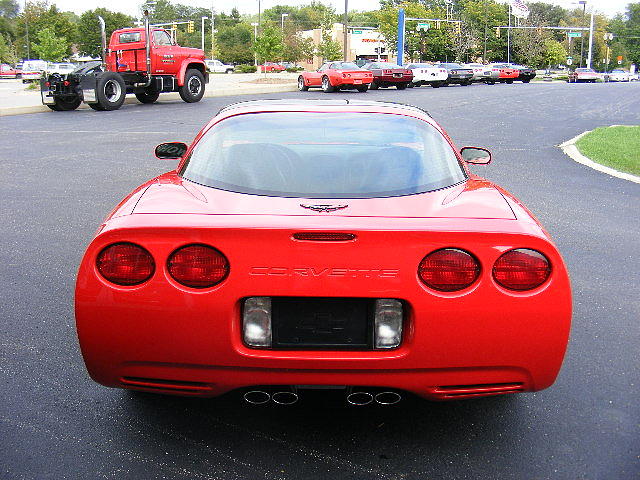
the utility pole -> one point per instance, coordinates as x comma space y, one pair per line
345, 19
213, 28
584, 6
509, 37
589, 57
26, 23
255, 38
484, 53
202, 30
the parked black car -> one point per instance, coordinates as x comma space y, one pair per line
457, 73
526, 73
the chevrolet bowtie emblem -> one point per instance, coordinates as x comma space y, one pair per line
324, 208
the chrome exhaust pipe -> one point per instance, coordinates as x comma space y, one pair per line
388, 398
257, 397
360, 398
284, 398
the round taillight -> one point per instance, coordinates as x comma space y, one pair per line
125, 264
521, 269
198, 266
448, 270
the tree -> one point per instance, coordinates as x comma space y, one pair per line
233, 43
7, 51
89, 29
37, 16
268, 45
554, 52
297, 48
9, 8
49, 47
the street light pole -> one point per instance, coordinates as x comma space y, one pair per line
584, 6
589, 57
255, 39
282, 22
213, 29
202, 19
345, 19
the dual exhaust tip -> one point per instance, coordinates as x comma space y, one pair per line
360, 398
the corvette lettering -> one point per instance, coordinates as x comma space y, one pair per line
324, 272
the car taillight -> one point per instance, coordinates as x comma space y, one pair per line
47, 84
66, 83
198, 266
125, 264
448, 270
521, 269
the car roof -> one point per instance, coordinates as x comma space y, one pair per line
309, 104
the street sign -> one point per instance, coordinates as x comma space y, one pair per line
356, 31
574, 34
569, 61
423, 26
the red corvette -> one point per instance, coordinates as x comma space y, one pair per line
334, 76
506, 73
280, 257
271, 67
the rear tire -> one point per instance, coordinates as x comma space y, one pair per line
401, 86
326, 85
411, 85
362, 88
374, 86
147, 96
510, 81
301, 86
110, 91
97, 107
436, 84
64, 105
526, 80
193, 88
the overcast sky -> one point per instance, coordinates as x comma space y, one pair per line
130, 7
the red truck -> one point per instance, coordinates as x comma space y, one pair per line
144, 61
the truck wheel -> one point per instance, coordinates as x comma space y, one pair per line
97, 107
65, 105
110, 91
193, 88
147, 96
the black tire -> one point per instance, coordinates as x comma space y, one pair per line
374, 86
97, 107
326, 85
362, 88
401, 86
229, 70
65, 105
147, 96
411, 85
301, 86
526, 80
490, 82
193, 88
466, 83
53, 107
110, 90
509, 81
436, 84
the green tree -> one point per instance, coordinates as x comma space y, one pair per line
89, 29
37, 16
233, 43
554, 53
328, 49
49, 46
7, 51
268, 46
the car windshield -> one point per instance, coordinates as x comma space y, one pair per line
384, 65
347, 66
323, 155
452, 65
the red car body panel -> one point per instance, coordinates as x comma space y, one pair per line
506, 73
7, 71
271, 67
392, 76
162, 336
338, 77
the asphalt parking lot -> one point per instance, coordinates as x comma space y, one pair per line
63, 172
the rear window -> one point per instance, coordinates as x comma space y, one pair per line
324, 155
129, 37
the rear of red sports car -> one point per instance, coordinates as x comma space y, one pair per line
274, 257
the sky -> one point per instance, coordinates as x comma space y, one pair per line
131, 7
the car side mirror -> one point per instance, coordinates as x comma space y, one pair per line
476, 155
171, 150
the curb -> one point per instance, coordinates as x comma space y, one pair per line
570, 149
224, 92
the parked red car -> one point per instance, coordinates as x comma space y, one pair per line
295, 247
506, 73
271, 67
336, 76
387, 74
587, 75
7, 71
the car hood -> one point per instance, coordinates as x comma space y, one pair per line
475, 198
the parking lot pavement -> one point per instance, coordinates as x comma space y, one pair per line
64, 172
16, 99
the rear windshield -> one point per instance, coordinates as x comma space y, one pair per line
129, 37
323, 155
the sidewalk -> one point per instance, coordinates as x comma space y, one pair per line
15, 99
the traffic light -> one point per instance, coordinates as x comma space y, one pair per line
498, 32
190, 26
459, 28
438, 24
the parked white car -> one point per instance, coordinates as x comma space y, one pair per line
32, 70
216, 66
619, 75
61, 68
426, 73
483, 73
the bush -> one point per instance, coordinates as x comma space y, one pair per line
246, 68
295, 69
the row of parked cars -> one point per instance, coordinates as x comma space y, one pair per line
373, 75
31, 70
589, 75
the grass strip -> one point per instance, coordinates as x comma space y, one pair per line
615, 147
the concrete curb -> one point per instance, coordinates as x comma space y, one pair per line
570, 149
223, 92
